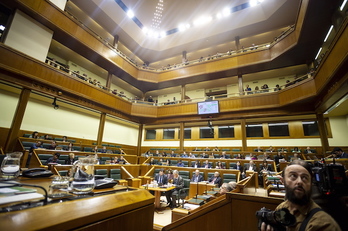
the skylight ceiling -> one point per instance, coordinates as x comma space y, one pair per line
266, 16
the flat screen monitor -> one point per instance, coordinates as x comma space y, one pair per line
208, 107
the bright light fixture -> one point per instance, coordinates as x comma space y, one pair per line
130, 13
318, 53
182, 27
328, 33
163, 34
226, 11
145, 29
343, 5
202, 20
2, 27
253, 2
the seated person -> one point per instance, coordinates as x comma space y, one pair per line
54, 159
240, 168
121, 160
152, 161
215, 179
195, 164
53, 145
34, 135
295, 157
103, 150
71, 159
65, 139
197, 177
171, 195
223, 155
161, 178
184, 155
206, 149
308, 150
264, 169
216, 149
220, 165
70, 147
258, 149
206, 164
251, 166
47, 137
180, 164
192, 155
36, 145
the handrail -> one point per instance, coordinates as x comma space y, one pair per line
125, 170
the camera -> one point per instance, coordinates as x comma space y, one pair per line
330, 179
278, 219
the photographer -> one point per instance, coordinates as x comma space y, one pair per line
297, 179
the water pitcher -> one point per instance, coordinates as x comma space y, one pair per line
10, 166
83, 175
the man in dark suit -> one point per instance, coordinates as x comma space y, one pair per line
197, 177
215, 179
172, 195
161, 178
339, 153
195, 164
206, 164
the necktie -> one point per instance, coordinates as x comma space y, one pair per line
160, 180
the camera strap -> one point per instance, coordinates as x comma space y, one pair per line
309, 216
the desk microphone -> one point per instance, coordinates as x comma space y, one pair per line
197, 191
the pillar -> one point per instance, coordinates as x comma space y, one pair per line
17, 120
243, 131
101, 128
323, 133
140, 138
240, 84
182, 135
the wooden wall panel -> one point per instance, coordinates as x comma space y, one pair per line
296, 129
260, 101
144, 110
302, 90
230, 105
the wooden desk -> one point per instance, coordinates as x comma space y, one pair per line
199, 188
117, 210
158, 192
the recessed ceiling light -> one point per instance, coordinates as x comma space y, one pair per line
130, 14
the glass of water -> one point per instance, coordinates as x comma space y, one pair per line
10, 166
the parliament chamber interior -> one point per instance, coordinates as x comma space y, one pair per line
217, 97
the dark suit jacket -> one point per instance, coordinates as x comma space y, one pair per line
241, 168
204, 165
193, 164
200, 178
218, 180
164, 179
179, 182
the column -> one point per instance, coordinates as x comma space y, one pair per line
17, 120
243, 131
108, 81
182, 135
140, 138
323, 133
184, 56
240, 84
236, 40
115, 43
101, 128
183, 93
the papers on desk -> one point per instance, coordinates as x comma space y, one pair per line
18, 194
21, 197
190, 206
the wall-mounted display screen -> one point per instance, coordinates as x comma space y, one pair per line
208, 107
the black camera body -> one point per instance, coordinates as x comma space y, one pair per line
278, 219
330, 179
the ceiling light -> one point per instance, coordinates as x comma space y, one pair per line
163, 34
182, 27
2, 27
328, 33
202, 20
226, 11
343, 5
130, 13
145, 29
253, 2
219, 15
318, 53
